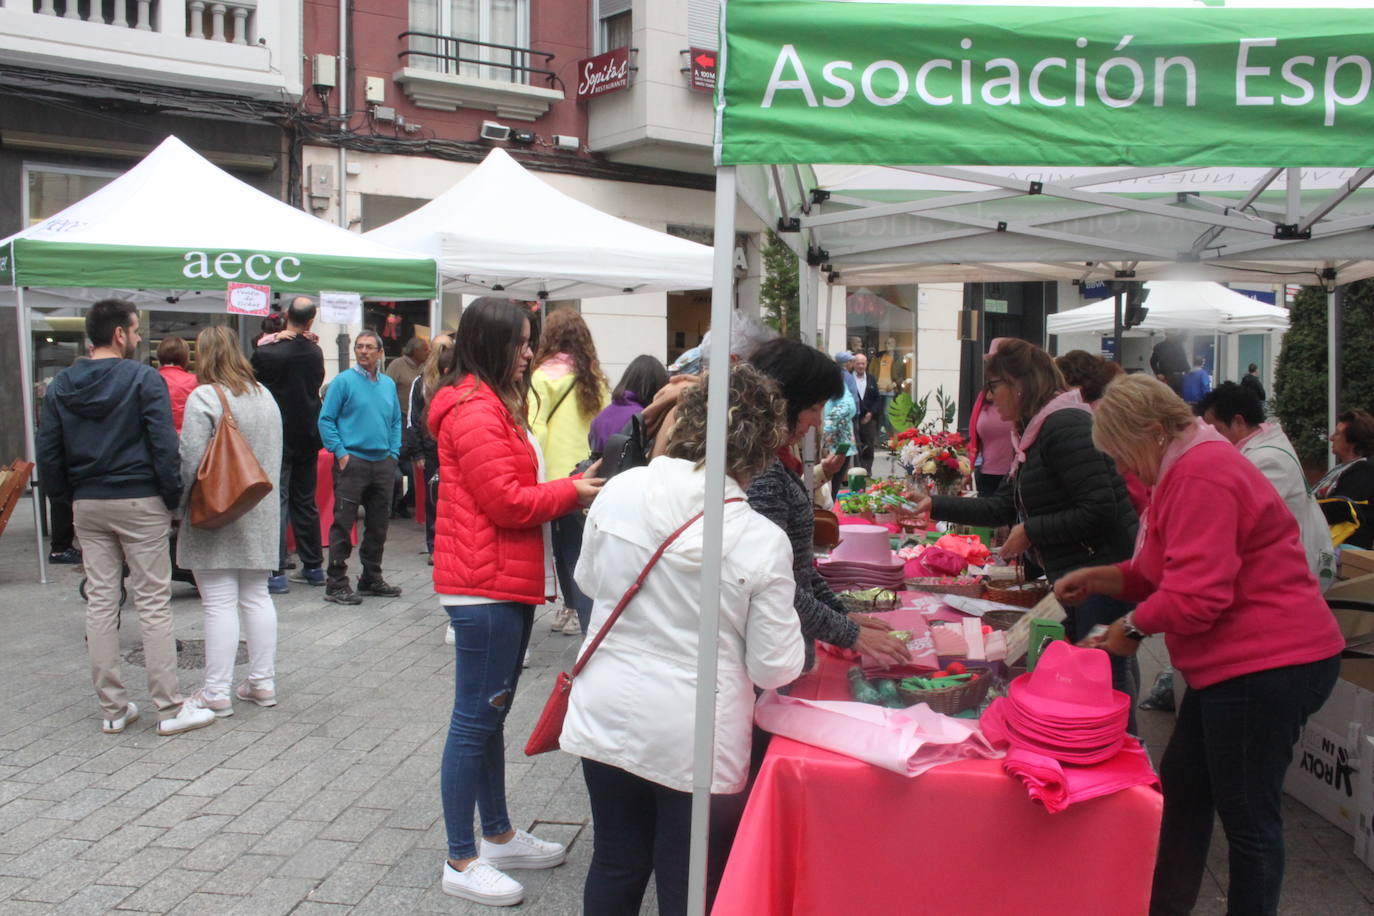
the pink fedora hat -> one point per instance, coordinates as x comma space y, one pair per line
870, 544
1069, 683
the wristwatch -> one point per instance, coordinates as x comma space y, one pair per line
1133, 632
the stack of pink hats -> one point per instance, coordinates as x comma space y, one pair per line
1065, 709
863, 559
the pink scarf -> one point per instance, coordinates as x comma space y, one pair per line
1200, 432
1066, 400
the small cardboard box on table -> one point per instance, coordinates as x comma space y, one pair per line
1332, 752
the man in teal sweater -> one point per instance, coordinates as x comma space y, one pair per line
360, 423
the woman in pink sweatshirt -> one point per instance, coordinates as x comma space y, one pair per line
1219, 569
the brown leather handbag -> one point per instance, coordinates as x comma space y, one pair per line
230, 479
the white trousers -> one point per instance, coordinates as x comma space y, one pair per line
225, 593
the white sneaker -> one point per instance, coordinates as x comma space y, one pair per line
222, 708
561, 618
449, 637
190, 718
482, 882
573, 627
115, 726
525, 850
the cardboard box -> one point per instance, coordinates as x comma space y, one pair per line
1364, 790
1327, 760
1356, 562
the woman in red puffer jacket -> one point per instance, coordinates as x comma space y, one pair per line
492, 566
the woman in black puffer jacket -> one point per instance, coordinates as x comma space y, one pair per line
1067, 504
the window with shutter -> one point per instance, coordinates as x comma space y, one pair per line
613, 23
703, 24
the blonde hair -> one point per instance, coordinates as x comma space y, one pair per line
1124, 416
757, 424
219, 361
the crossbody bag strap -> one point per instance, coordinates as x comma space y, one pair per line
1283, 451
635, 586
563, 397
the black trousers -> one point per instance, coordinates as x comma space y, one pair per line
365, 484
643, 828
61, 530
868, 440
296, 486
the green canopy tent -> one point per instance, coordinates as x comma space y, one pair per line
176, 222
910, 141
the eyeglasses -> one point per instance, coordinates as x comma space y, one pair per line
363, 346
992, 384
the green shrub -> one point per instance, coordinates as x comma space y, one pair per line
1300, 379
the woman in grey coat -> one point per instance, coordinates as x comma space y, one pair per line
231, 564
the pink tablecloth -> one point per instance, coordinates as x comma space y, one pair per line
827, 834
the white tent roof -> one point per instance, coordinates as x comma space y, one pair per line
176, 221
503, 227
1179, 306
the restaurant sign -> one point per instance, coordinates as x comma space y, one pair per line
603, 73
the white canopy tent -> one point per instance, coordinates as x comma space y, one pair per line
1066, 177
1179, 306
176, 227
502, 229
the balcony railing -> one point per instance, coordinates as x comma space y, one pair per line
481, 59
229, 21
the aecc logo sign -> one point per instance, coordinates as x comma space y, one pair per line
230, 265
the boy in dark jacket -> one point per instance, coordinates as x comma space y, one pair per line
107, 444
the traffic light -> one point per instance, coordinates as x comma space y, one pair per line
1134, 293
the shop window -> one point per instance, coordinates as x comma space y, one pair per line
48, 190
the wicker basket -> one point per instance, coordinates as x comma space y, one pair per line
856, 605
1022, 594
950, 700
1002, 620
934, 586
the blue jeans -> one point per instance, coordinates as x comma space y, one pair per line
567, 547
490, 642
1106, 610
1231, 747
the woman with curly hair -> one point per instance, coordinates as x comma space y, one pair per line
636, 754
568, 390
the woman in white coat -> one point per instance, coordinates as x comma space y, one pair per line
231, 563
632, 707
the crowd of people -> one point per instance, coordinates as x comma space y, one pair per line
1147, 511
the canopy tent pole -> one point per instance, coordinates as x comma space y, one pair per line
713, 521
26, 380
1333, 364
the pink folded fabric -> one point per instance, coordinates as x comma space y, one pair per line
1056, 785
906, 741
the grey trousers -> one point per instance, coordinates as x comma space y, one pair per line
114, 532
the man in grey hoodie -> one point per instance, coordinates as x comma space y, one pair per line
107, 444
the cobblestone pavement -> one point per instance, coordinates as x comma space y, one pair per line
328, 802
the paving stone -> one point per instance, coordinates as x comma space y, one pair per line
165, 891
243, 875
125, 840
138, 868
287, 838
274, 896
93, 900
261, 818
152, 792
203, 904
235, 800
387, 900
25, 836
171, 811
348, 883
19, 812
214, 782
311, 908
218, 851
316, 859
101, 822
354, 824
385, 846
192, 832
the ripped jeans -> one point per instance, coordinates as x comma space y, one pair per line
490, 642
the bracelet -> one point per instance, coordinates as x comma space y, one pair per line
1132, 631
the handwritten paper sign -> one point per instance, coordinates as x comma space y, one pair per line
341, 308
248, 299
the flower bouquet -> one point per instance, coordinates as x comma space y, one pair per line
938, 459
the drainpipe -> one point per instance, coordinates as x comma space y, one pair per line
342, 341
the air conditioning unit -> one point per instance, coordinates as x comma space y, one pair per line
561, 141
493, 131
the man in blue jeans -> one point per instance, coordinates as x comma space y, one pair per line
360, 423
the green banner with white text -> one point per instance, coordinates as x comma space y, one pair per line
31, 262
845, 81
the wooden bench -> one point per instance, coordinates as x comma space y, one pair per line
13, 479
